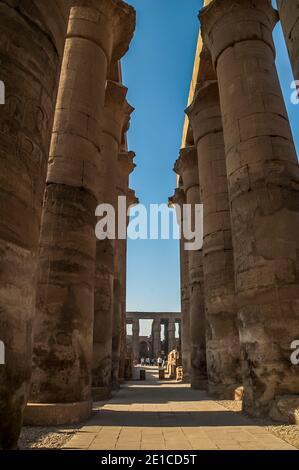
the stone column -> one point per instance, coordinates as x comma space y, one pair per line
31, 49
289, 16
103, 316
171, 334
179, 198
135, 339
263, 179
131, 200
124, 167
186, 166
116, 116
156, 332
76, 173
222, 335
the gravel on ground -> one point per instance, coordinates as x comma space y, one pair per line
45, 437
288, 432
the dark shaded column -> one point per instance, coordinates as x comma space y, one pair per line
156, 332
131, 201
289, 16
116, 117
263, 179
125, 166
179, 198
135, 339
186, 166
76, 174
222, 335
171, 334
31, 48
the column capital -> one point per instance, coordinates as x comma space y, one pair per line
115, 95
131, 197
124, 27
117, 109
204, 111
125, 166
206, 70
227, 22
179, 198
109, 24
126, 162
186, 167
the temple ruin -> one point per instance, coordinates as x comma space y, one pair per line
64, 118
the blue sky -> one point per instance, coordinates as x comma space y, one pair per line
157, 70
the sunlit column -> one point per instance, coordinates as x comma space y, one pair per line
31, 49
222, 335
263, 180
97, 33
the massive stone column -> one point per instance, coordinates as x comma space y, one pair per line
65, 302
171, 334
262, 173
186, 166
125, 166
103, 317
135, 339
289, 15
156, 333
31, 47
131, 201
222, 335
116, 116
179, 199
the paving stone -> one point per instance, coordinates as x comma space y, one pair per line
124, 425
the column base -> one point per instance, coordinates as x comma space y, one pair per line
226, 392
101, 393
56, 414
199, 384
285, 409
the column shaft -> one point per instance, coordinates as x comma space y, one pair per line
263, 178
185, 312
171, 335
222, 335
32, 41
125, 166
186, 166
65, 303
289, 16
156, 331
135, 340
115, 116
179, 199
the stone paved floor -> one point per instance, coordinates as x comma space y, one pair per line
156, 415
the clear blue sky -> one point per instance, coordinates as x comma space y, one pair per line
157, 71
